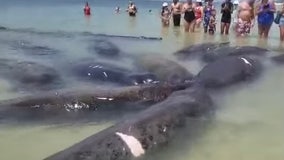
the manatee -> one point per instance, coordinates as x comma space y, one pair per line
165, 70
91, 70
31, 49
80, 103
3, 28
198, 49
104, 48
278, 59
224, 51
227, 71
29, 74
144, 132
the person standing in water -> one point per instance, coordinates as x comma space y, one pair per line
226, 10
176, 9
198, 13
165, 14
245, 17
212, 22
265, 16
207, 14
281, 23
189, 16
132, 9
87, 9
117, 9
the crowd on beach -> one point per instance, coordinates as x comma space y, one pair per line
240, 16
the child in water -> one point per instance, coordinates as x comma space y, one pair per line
212, 22
165, 14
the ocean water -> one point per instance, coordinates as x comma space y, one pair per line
248, 123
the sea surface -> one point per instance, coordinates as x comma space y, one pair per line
249, 120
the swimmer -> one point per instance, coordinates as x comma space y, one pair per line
87, 9
212, 22
265, 16
207, 14
189, 16
245, 16
117, 9
176, 9
132, 9
198, 13
165, 14
226, 10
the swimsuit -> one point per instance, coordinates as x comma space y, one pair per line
243, 27
133, 11
189, 15
176, 19
226, 14
207, 15
198, 12
265, 18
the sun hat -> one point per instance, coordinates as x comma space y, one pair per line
165, 4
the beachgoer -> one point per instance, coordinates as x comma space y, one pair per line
176, 9
212, 22
235, 14
245, 16
189, 16
207, 14
132, 9
198, 13
281, 23
265, 16
87, 9
165, 14
117, 9
226, 10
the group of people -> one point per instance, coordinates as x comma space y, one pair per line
241, 15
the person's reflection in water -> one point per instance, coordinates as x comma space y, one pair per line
132, 23
164, 32
88, 20
176, 31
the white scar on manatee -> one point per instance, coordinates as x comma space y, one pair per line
246, 61
133, 144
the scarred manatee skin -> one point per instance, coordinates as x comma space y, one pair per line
228, 71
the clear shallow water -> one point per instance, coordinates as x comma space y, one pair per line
248, 124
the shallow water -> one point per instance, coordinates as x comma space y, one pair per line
248, 123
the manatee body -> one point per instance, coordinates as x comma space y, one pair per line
104, 48
227, 71
3, 28
144, 132
29, 74
221, 52
198, 49
166, 70
34, 50
106, 72
279, 59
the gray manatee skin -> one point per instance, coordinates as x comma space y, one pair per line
279, 59
165, 70
215, 54
227, 71
3, 28
149, 128
104, 48
30, 75
33, 50
60, 104
198, 49
91, 70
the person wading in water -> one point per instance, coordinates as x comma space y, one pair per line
176, 9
